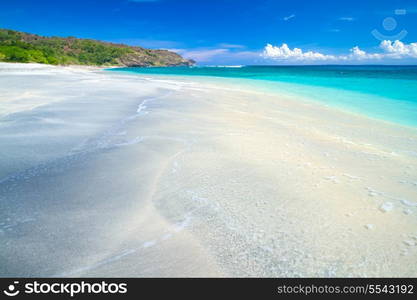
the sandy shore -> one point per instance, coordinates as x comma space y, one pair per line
105, 174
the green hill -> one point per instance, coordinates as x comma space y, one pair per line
23, 47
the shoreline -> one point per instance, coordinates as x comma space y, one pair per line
215, 82
129, 176
211, 81
287, 90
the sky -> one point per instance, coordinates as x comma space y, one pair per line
230, 32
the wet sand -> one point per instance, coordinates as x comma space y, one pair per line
105, 174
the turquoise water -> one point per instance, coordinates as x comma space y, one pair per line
384, 92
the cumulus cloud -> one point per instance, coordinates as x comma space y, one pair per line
390, 50
398, 49
358, 54
285, 53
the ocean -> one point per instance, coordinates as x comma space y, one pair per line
383, 92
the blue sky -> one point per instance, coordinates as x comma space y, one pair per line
234, 31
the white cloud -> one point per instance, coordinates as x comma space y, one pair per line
201, 55
358, 54
398, 49
231, 46
390, 50
348, 19
217, 55
285, 53
288, 17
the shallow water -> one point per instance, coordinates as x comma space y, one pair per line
386, 92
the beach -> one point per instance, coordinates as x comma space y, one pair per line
104, 174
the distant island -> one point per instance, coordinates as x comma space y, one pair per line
16, 46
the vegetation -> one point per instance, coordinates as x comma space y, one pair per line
23, 47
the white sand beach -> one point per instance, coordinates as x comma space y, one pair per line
109, 174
